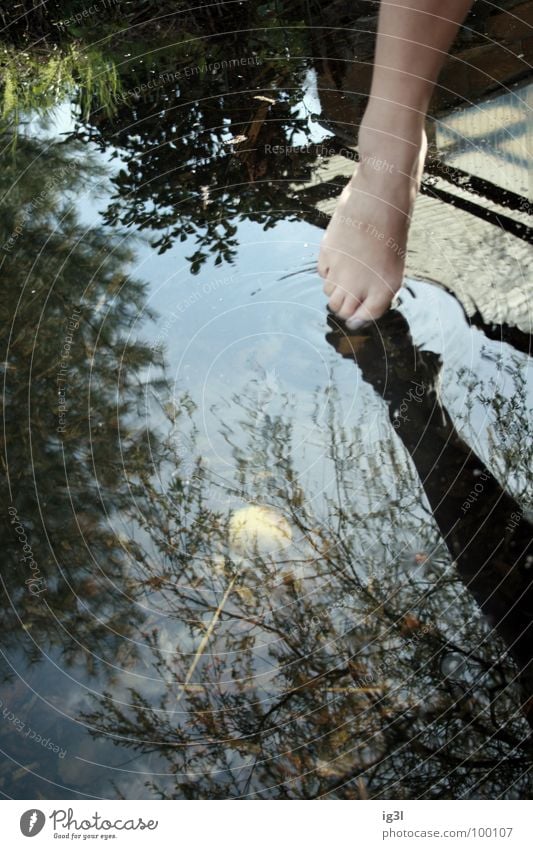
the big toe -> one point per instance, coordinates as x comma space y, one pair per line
372, 308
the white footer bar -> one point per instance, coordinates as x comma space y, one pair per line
303, 825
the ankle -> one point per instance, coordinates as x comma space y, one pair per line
391, 136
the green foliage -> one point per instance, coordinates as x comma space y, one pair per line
143, 90
55, 269
36, 82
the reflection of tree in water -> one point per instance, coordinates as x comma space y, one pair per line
197, 125
194, 111
343, 663
67, 311
184, 184
330, 665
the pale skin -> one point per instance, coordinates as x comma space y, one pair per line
362, 255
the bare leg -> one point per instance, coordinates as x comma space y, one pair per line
362, 256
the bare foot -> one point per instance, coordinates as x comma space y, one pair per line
362, 255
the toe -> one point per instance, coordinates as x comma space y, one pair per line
376, 305
370, 309
328, 287
337, 299
323, 264
349, 306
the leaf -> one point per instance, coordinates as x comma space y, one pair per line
236, 139
410, 623
23, 771
9, 94
421, 558
246, 595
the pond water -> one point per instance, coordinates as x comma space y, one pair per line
248, 553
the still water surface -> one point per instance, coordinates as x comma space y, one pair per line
263, 543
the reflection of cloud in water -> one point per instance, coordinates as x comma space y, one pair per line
258, 528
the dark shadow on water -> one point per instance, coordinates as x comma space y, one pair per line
485, 530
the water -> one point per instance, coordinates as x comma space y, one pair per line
257, 547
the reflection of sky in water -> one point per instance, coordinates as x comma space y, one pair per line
310, 107
245, 332
254, 331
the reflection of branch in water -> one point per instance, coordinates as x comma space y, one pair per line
205, 639
328, 683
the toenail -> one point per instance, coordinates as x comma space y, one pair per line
356, 323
